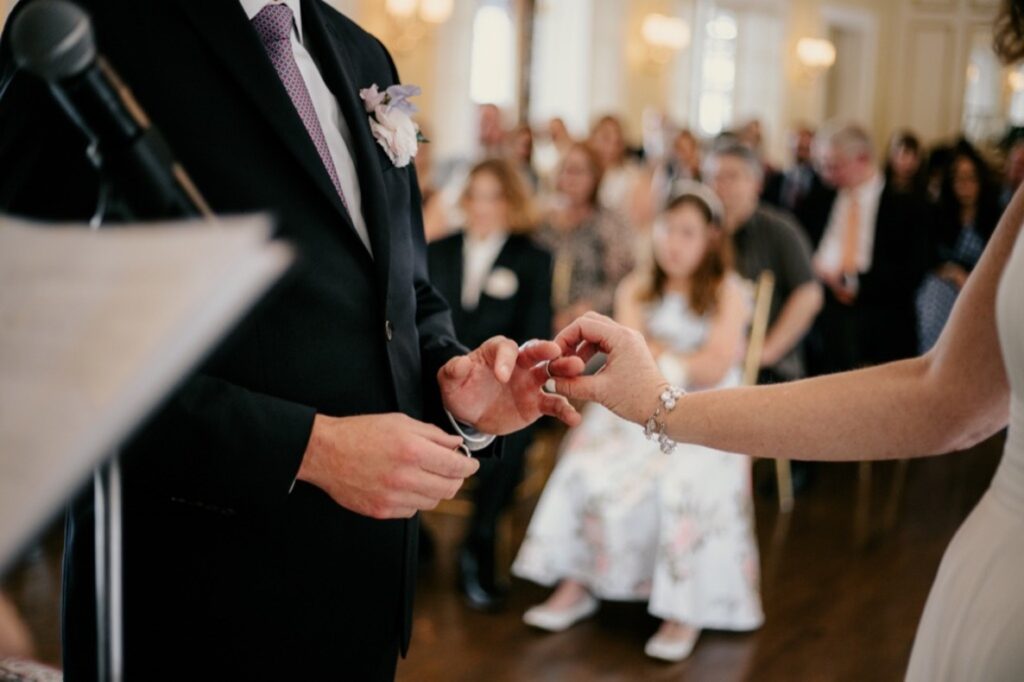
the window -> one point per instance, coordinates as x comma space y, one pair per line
492, 64
718, 73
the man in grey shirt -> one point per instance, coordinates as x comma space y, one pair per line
766, 239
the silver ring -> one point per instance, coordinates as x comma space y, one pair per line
547, 368
465, 450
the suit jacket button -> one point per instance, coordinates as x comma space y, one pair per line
389, 331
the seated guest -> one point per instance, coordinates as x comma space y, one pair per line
800, 190
592, 246
939, 159
1013, 175
904, 165
621, 521
623, 181
520, 153
443, 213
497, 282
872, 258
967, 215
767, 239
681, 163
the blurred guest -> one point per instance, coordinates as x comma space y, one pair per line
1013, 175
520, 152
938, 163
768, 240
751, 135
560, 136
967, 215
622, 185
686, 156
904, 165
621, 521
800, 189
497, 282
788, 189
490, 131
592, 246
452, 174
872, 258
682, 163
552, 145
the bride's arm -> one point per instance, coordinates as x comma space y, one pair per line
947, 400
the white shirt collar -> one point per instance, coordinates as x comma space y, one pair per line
253, 7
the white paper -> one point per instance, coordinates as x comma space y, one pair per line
96, 327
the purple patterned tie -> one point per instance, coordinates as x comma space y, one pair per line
273, 24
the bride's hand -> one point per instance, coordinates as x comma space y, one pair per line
629, 383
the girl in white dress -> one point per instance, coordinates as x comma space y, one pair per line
620, 520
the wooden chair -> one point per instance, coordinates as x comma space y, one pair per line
763, 290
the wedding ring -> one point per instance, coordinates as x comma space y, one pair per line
465, 450
547, 368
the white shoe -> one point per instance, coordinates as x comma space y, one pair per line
671, 650
557, 620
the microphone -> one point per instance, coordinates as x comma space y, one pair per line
54, 40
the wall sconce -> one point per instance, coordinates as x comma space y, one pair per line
411, 20
664, 36
430, 11
816, 55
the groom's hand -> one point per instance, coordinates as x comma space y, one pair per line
385, 466
498, 388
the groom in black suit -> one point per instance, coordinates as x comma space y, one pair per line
270, 507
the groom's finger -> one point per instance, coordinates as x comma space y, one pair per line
501, 355
458, 368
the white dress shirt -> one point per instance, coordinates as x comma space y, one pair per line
829, 257
478, 257
336, 132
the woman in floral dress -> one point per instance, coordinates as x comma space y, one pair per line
621, 521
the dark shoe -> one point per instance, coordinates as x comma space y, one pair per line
476, 581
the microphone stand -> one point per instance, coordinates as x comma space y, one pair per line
107, 480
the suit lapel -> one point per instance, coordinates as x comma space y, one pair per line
224, 27
336, 62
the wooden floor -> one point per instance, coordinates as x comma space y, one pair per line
838, 608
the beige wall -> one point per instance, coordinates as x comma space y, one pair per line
805, 96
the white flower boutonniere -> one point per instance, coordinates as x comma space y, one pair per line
391, 121
502, 284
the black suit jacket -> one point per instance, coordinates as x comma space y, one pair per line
523, 316
881, 324
811, 210
223, 563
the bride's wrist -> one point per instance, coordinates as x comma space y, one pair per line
656, 425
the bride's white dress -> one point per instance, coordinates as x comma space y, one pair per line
973, 624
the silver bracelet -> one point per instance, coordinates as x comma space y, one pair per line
656, 427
